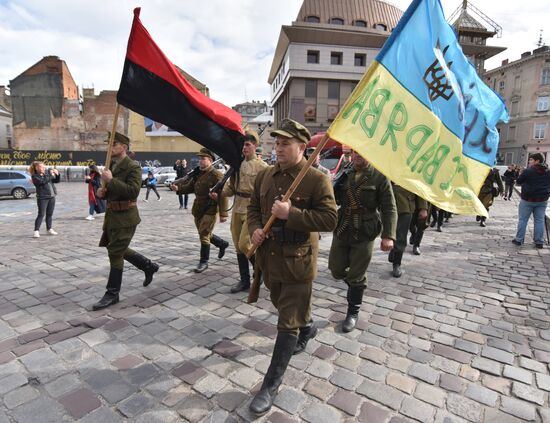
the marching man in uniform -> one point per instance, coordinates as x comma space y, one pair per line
121, 189
367, 208
205, 209
241, 187
287, 254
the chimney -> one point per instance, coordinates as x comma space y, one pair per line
504, 62
526, 54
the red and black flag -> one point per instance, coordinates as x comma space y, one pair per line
152, 86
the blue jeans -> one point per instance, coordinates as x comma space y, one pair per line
538, 209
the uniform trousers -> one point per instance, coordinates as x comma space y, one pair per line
239, 233
403, 223
118, 240
205, 227
349, 260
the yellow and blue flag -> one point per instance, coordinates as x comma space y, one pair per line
422, 116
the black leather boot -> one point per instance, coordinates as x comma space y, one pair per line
355, 298
397, 272
282, 352
205, 255
244, 272
219, 243
144, 264
390, 255
482, 221
306, 333
416, 250
113, 288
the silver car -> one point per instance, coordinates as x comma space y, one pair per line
16, 183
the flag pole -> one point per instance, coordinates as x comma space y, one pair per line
112, 139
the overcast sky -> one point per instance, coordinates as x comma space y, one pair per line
226, 44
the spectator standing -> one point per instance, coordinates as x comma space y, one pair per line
181, 170
151, 185
97, 205
535, 190
510, 177
45, 195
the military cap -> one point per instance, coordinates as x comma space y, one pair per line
252, 136
205, 152
259, 150
120, 138
291, 129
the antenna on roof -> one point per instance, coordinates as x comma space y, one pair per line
540, 43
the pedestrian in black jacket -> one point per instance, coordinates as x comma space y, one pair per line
181, 170
45, 195
510, 177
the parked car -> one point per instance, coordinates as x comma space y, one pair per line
169, 181
163, 173
17, 183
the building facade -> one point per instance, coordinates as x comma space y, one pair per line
251, 109
321, 57
48, 113
5, 128
524, 85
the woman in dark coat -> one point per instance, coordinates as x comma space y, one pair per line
45, 195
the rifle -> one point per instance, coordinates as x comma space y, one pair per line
254, 291
193, 173
218, 189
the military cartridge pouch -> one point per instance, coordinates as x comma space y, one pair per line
118, 206
288, 236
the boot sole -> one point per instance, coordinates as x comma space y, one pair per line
94, 308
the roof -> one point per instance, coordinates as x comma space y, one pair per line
263, 118
371, 11
48, 64
466, 21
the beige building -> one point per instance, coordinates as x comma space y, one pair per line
524, 85
322, 56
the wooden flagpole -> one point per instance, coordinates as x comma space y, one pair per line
112, 139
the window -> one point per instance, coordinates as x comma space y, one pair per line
362, 24
540, 131
380, 26
360, 59
511, 133
313, 19
14, 175
336, 21
545, 77
334, 89
501, 86
515, 108
542, 104
313, 56
335, 58
4, 175
509, 158
311, 88
517, 82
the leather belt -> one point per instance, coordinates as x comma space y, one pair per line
244, 194
121, 205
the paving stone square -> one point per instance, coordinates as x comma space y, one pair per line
462, 336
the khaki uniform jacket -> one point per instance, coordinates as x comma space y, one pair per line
201, 187
406, 201
124, 186
245, 184
486, 193
313, 210
378, 210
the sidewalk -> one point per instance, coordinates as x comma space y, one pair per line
464, 335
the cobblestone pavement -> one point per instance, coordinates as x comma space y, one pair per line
464, 335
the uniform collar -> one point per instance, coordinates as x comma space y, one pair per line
292, 171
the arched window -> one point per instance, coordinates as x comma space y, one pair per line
361, 23
336, 21
313, 19
380, 26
